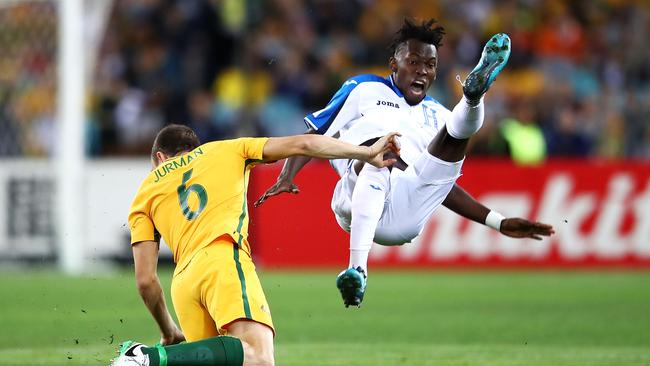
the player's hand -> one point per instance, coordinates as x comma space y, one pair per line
281, 186
175, 336
385, 145
516, 227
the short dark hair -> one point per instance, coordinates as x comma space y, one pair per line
424, 32
174, 139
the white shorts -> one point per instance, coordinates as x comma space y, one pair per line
413, 196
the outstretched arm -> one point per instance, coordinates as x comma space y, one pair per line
145, 255
323, 147
293, 165
284, 183
462, 203
304, 147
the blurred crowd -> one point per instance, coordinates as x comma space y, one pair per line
27, 78
577, 83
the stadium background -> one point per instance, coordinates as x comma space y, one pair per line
566, 140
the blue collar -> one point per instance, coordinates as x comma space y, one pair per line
394, 87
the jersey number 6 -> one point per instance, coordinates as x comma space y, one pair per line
184, 196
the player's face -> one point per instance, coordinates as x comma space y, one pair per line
414, 69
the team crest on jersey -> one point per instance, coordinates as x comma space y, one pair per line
388, 104
430, 116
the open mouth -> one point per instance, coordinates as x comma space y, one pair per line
418, 86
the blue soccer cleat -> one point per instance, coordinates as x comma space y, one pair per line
131, 355
352, 284
494, 57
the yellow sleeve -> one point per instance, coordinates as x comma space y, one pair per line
141, 225
253, 147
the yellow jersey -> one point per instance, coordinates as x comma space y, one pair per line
195, 198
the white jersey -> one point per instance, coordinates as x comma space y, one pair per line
370, 106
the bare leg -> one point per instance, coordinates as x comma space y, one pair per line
257, 341
467, 117
450, 144
447, 148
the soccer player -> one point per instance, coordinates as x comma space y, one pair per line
195, 198
391, 205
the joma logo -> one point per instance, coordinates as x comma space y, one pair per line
389, 104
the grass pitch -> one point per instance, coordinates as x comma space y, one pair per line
408, 318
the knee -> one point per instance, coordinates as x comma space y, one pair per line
259, 360
254, 356
266, 359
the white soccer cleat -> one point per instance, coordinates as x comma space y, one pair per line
131, 355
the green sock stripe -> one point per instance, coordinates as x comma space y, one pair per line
242, 281
162, 354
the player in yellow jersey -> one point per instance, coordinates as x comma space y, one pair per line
195, 198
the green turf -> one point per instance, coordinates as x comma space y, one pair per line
408, 318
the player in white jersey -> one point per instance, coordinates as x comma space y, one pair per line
391, 206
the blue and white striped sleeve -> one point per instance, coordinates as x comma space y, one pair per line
341, 108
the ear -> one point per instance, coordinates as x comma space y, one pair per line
160, 156
392, 63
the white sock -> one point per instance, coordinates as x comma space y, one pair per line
368, 200
465, 119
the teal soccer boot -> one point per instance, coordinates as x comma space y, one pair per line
494, 57
352, 285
